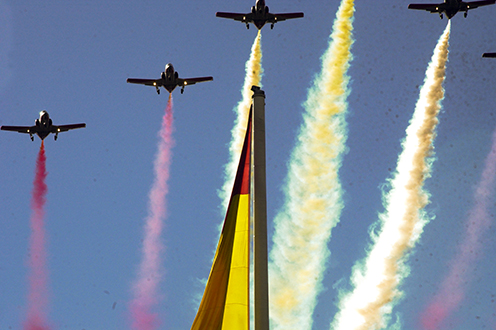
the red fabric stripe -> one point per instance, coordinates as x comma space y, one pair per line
242, 181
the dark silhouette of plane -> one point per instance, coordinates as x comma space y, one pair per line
169, 79
451, 7
259, 16
489, 55
42, 127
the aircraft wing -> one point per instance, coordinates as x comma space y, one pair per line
433, 8
65, 128
475, 4
489, 55
236, 16
273, 18
192, 81
20, 129
147, 82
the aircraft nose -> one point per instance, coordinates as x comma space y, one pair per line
43, 116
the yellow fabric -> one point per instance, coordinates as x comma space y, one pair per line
225, 302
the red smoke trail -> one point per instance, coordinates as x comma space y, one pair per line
38, 277
145, 289
453, 286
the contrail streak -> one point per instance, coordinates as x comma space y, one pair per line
376, 279
38, 274
253, 77
453, 286
313, 192
150, 273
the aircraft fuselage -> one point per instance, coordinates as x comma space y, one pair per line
260, 11
169, 78
452, 7
44, 125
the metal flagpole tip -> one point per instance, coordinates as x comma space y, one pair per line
257, 91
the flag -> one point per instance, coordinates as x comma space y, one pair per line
225, 302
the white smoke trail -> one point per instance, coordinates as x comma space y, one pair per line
313, 192
253, 77
376, 279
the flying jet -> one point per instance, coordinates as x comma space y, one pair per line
42, 127
489, 55
259, 16
451, 7
169, 79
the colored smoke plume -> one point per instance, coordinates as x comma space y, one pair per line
150, 273
253, 77
452, 291
377, 277
313, 193
38, 300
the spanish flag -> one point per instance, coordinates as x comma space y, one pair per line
225, 302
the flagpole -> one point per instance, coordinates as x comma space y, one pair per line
261, 278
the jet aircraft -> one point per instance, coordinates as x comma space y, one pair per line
489, 55
169, 79
451, 7
259, 16
42, 127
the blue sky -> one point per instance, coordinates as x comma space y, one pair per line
73, 61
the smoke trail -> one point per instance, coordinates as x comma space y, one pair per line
38, 274
452, 288
253, 77
376, 279
313, 192
145, 289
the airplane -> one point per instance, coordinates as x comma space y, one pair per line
169, 79
42, 127
489, 55
451, 7
259, 16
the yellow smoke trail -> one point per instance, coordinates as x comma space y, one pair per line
313, 192
253, 76
376, 279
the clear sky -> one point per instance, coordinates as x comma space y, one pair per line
73, 61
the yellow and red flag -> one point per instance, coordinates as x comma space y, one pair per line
225, 302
